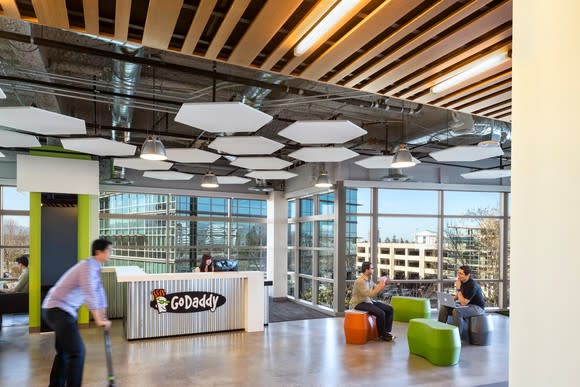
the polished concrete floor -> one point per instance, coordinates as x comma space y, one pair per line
296, 353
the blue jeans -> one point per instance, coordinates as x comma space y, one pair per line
460, 314
67, 368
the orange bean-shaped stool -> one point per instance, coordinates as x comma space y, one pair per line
373, 332
356, 327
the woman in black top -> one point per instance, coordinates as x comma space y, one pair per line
206, 264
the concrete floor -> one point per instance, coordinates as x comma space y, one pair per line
295, 353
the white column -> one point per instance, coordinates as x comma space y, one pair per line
278, 243
545, 254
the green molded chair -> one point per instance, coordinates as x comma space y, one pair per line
437, 342
407, 308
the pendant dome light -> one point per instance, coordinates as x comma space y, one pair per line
403, 158
209, 180
323, 180
153, 149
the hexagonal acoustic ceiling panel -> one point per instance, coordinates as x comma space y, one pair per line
142, 165
323, 154
232, 180
488, 174
271, 175
322, 132
379, 162
246, 145
222, 117
167, 175
467, 153
98, 146
260, 163
191, 155
34, 120
10, 139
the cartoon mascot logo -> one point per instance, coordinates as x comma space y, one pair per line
159, 300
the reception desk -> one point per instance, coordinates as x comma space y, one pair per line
160, 305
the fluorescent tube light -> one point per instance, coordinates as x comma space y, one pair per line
329, 21
471, 70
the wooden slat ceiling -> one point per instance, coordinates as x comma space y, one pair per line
398, 48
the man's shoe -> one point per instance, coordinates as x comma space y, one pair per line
389, 337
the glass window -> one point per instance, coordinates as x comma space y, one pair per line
292, 284
291, 234
291, 260
305, 261
472, 203
473, 242
249, 208
306, 234
14, 200
249, 258
405, 201
358, 229
306, 207
326, 234
248, 234
291, 208
325, 264
214, 207
9, 266
325, 294
305, 285
358, 200
15, 230
326, 204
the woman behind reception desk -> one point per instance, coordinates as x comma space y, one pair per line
206, 264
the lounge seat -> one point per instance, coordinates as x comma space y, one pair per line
437, 342
359, 327
407, 308
13, 303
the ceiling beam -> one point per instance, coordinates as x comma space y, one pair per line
230, 21
202, 15
122, 17
51, 13
91, 14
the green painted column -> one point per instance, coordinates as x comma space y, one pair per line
83, 241
34, 262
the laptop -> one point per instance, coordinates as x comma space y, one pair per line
446, 299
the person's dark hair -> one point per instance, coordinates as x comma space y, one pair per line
100, 245
466, 269
204, 259
23, 259
365, 266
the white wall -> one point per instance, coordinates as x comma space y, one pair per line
545, 263
277, 249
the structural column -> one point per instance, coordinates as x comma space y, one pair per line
277, 248
545, 261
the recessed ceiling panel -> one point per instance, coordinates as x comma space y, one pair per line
9, 139
260, 163
323, 154
232, 180
31, 119
167, 175
98, 146
143, 165
271, 175
222, 117
467, 153
322, 132
379, 162
191, 155
488, 174
246, 145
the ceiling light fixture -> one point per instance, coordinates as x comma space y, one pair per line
323, 180
209, 180
470, 71
153, 149
325, 24
403, 158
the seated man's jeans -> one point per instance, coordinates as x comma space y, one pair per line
383, 313
67, 368
459, 313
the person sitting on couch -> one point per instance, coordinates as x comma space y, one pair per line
22, 284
